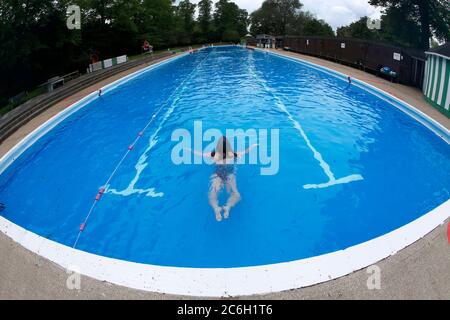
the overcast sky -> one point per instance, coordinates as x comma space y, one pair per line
336, 12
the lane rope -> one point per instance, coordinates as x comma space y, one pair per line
142, 162
130, 148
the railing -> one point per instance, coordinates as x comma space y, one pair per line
108, 63
19, 116
70, 76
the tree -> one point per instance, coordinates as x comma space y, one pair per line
185, 18
358, 30
284, 17
400, 28
242, 21
396, 28
205, 19
318, 27
275, 17
124, 29
432, 16
308, 25
159, 23
230, 21
263, 20
108, 26
287, 13
35, 44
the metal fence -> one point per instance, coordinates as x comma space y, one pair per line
408, 64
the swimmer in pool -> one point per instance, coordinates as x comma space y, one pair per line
225, 175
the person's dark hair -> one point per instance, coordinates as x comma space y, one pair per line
224, 149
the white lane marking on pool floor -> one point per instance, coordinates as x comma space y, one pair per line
317, 155
142, 161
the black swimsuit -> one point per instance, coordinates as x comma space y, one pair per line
225, 170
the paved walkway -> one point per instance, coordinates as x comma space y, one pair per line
420, 271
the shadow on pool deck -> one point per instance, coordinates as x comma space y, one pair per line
420, 271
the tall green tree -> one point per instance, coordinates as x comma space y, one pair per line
400, 28
287, 13
284, 17
263, 20
35, 44
126, 26
396, 28
433, 16
159, 22
358, 30
205, 19
276, 17
185, 13
308, 25
317, 27
230, 21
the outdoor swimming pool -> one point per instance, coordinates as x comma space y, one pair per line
352, 167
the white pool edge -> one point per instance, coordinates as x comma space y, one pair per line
205, 282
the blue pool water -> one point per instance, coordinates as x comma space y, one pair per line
159, 212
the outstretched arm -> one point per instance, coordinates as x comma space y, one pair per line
198, 153
241, 153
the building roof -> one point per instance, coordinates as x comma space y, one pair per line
443, 50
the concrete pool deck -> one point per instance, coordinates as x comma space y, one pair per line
419, 271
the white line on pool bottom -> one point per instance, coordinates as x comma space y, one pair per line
142, 161
333, 182
317, 155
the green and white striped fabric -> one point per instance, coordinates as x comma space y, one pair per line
437, 82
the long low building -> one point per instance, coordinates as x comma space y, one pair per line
370, 56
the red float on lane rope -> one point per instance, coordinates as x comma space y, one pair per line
448, 233
130, 147
82, 227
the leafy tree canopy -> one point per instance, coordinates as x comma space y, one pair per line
37, 45
432, 17
230, 21
284, 17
